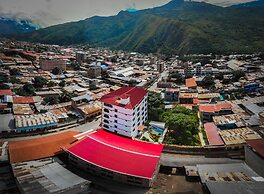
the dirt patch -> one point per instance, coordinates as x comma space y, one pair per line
176, 184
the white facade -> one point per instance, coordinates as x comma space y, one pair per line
124, 121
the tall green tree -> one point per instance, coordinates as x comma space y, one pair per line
39, 81
155, 106
182, 126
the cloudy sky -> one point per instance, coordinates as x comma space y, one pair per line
50, 12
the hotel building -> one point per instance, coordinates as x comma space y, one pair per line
125, 110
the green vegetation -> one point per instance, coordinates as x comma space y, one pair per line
26, 90
62, 83
154, 137
3, 78
4, 87
14, 72
39, 81
57, 71
51, 100
237, 75
182, 126
155, 106
204, 136
179, 27
179, 79
92, 87
208, 81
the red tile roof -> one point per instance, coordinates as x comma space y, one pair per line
136, 94
37, 148
23, 100
118, 154
214, 107
258, 145
190, 82
212, 134
6, 92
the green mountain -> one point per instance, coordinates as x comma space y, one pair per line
178, 27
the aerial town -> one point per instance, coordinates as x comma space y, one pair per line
93, 120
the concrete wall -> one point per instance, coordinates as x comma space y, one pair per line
254, 160
107, 174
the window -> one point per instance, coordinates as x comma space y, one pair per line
106, 126
106, 110
106, 121
108, 105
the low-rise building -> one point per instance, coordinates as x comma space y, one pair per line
237, 137
117, 158
49, 63
254, 155
207, 111
35, 122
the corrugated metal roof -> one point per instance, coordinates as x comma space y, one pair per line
32, 149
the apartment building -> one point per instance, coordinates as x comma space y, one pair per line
125, 110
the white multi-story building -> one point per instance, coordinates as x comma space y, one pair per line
125, 110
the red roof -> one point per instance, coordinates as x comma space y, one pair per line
190, 82
41, 147
23, 100
195, 101
136, 94
6, 92
257, 145
118, 154
212, 134
214, 107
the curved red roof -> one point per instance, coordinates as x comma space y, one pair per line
136, 94
118, 154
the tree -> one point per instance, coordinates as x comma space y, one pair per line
57, 71
14, 80
219, 76
14, 72
104, 74
155, 106
92, 87
26, 90
4, 87
3, 78
51, 100
226, 81
62, 83
182, 124
237, 75
66, 97
187, 76
39, 81
179, 78
208, 81
51, 84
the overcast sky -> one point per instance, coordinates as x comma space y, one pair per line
50, 12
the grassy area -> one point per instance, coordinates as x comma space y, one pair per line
204, 136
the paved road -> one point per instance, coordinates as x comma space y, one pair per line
178, 160
95, 124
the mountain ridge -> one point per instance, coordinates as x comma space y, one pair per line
178, 27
